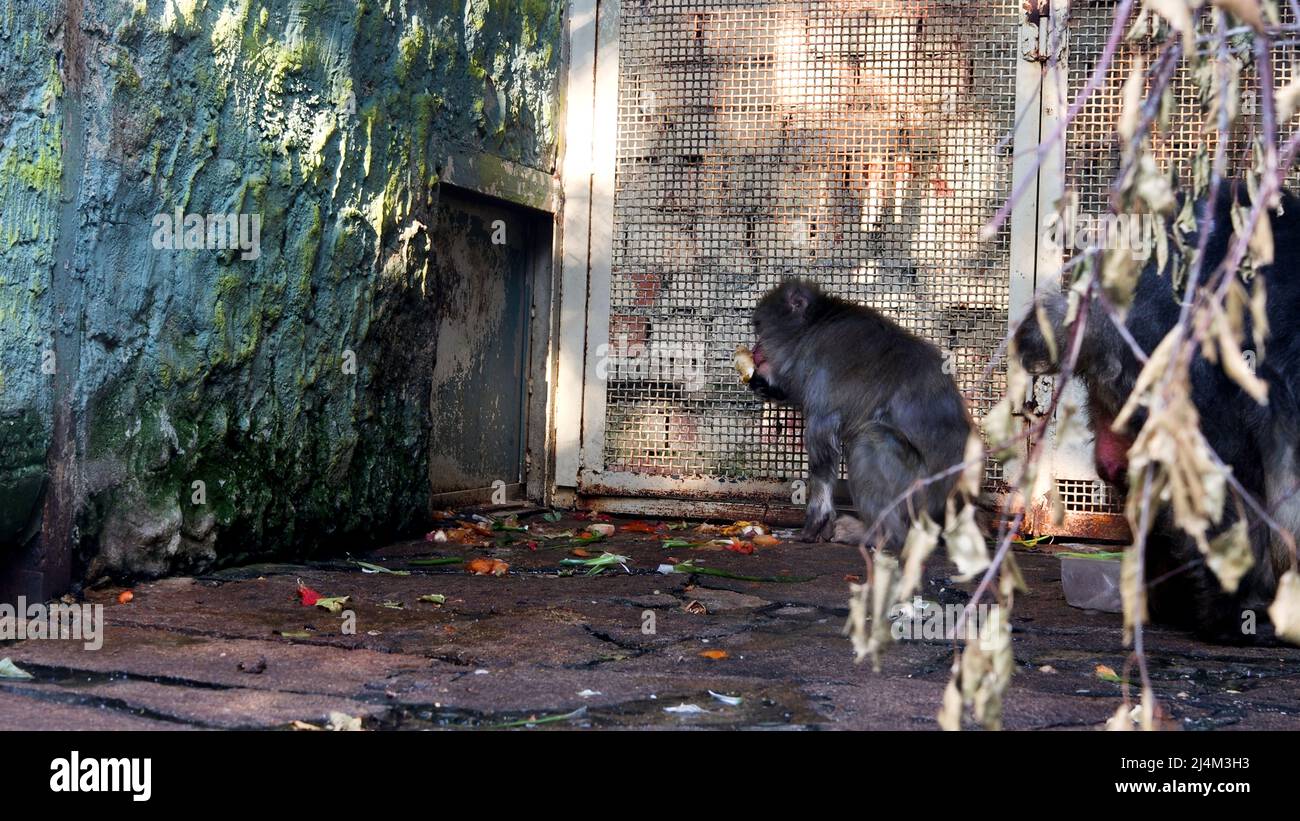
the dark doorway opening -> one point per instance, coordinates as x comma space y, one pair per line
493, 261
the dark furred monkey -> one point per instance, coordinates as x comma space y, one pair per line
867, 389
1259, 442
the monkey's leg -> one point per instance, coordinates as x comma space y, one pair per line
822, 440
883, 464
849, 530
1282, 489
1183, 592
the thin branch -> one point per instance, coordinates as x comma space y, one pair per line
1140, 547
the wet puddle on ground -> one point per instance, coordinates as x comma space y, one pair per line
775, 709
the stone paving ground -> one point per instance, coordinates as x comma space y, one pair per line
237, 649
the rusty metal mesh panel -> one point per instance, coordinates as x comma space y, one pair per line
852, 142
1089, 496
1092, 147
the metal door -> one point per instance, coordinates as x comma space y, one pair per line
482, 271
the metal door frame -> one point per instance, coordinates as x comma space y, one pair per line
1069, 460
590, 151
534, 197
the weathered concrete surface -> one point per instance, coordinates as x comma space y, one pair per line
535, 643
330, 121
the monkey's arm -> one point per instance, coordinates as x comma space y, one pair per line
766, 390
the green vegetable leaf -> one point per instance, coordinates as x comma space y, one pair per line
367, 567
599, 563
334, 604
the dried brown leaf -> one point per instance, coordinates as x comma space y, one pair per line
1285, 610
1183, 473
1178, 13
856, 626
1122, 720
1259, 315
1261, 245
1235, 366
884, 574
1018, 382
1048, 332
1230, 556
1285, 101
921, 541
1132, 593
1119, 275
1155, 369
1010, 579
1131, 95
986, 666
1247, 11
1152, 187
965, 541
950, 712
1001, 428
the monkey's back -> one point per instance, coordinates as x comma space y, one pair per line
885, 375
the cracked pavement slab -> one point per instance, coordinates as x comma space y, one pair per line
236, 649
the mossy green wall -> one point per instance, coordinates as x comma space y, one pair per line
329, 119
31, 127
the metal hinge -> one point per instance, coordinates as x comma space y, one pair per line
1033, 32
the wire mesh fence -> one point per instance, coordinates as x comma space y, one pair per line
855, 143
1092, 148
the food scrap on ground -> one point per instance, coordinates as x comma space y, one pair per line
487, 567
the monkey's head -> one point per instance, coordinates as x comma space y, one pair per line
786, 310
780, 317
1031, 341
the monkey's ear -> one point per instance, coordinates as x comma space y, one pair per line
798, 296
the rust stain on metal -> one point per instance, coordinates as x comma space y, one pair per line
597, 488
1106, 527
1037, 10
674, 508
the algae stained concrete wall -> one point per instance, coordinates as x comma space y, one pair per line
164, 410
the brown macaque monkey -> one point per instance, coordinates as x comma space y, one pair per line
867, 389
